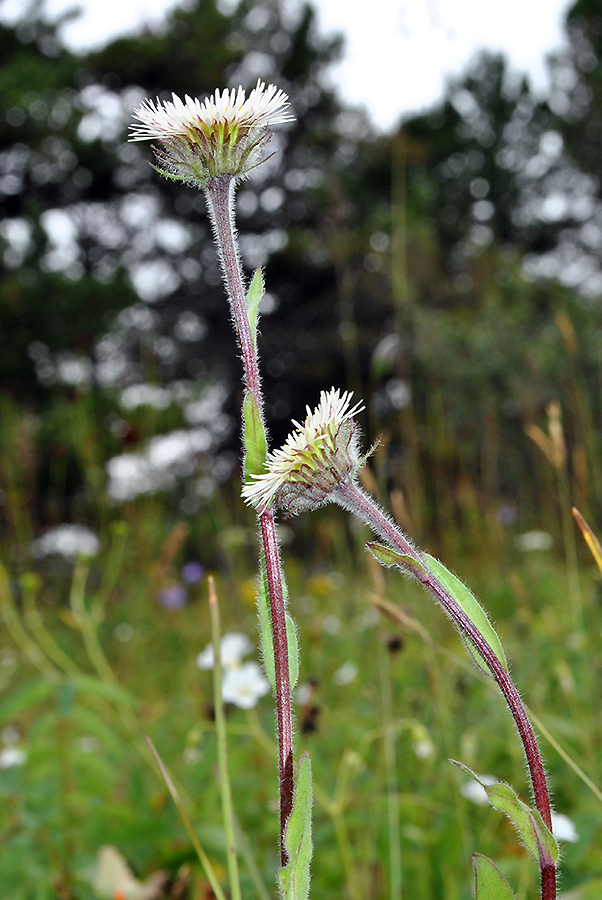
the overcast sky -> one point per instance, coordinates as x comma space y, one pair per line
398, 53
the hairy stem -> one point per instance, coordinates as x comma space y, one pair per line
220, 200
353, 498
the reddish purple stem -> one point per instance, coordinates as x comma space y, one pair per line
220, 197
353, 498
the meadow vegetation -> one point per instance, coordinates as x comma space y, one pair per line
435, 274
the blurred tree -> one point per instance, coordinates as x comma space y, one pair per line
401, 266
90, 226
469, 201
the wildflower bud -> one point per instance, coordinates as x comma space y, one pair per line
316, 458
221, 136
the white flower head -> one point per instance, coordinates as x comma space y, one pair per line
12, 756
321, 453
244, 685
233, 646
204, 140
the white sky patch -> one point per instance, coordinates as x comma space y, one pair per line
396, 57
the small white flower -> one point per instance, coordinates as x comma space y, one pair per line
314, 460
534, 540
233, 647
474, 791
223, 135
425, 749
69, 541
12, 756
564, 828
244, 685
346, 674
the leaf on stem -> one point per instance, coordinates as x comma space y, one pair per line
265, 629
471, 607
254, 437
535, 835
464, 597
489, 883
389, 557
293, 650
256, 292
265, 624
293, 879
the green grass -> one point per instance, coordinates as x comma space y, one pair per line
383, 785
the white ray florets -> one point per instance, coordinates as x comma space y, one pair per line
222, 135
314, 459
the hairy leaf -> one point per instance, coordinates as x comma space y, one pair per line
489, 882
535, 835
256, 292
265, 630
389, 557
471, 607
254, 437
293, 879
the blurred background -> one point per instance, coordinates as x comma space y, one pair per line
432, 242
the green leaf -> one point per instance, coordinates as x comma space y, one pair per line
24, 698
535, 835
293, 650
65, 694
489, 882
469, 604
265, 624
293, 879
389, 557
88, 685
256, 292
265, 630
254, 437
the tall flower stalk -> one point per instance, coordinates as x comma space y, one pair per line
318, 464
213, 144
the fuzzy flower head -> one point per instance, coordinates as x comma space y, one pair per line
315, 459
223, 135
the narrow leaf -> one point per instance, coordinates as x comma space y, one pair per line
293, 879
535, 835
256, 292
469, 604
293, 650
266, 634
204, 859
389, 557
265, 624
489, 882
590, 538
24, 698
254, 437
89, 685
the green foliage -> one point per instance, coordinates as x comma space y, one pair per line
470, 606
456, 590
490, 884
265, 630
254, 436
254, 295
532, 830
294, 877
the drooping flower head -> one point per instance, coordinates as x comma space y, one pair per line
314, 460
222, 135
